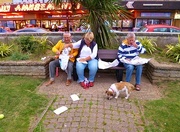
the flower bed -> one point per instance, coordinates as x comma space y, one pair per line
158, 72
39, 69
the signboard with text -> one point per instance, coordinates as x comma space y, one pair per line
36, 7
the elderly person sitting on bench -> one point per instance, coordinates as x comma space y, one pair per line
129, 49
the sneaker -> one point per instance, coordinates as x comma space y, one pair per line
91, 84
83, 85
68, 82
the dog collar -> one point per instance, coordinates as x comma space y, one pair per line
112, 90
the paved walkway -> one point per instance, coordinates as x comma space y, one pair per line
93, 112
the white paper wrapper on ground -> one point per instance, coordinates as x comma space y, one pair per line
74, 97
60, 110
105, 65
136, 61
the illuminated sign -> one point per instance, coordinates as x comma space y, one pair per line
177, 16
5, 8
30, 1
58, 16
19, 16
36, 7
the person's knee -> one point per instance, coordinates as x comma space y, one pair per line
79, 68
51, 64
93, 68
54, 63
130, 67
139, 66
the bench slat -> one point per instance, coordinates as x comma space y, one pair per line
107, 54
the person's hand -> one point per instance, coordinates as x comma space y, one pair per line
128, 59
67, 45
71, 56
58, 52
134, 44
82, 59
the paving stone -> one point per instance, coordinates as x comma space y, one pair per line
82, 130
93, 112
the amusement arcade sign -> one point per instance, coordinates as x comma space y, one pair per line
36, 7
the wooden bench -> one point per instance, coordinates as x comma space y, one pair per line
108, 55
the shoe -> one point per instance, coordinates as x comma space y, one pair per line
50, 82
83, 85
91, 84
137, 87
68, 82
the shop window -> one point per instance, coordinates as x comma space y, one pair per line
156, 14
127, 23
141, 22
10, 24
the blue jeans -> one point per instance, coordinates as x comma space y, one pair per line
92, 66
129, 70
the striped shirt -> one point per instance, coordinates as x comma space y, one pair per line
126, 51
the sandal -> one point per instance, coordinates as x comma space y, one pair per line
137, 87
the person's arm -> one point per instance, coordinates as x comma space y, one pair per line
140, 47
85, 59
121, 52
58, 47
75, 45
68, 45
94, 52
73, 53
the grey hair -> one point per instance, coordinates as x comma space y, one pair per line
131, 35
67, 33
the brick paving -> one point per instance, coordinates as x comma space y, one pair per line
93, 112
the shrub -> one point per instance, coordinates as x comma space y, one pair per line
173, 51
149, 44
27, 43
5, 49
33, 44
19, 56
43, 44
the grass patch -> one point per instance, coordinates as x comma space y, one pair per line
162, 59
163, 115
19, 102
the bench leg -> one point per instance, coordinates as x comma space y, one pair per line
75, 76
119, 75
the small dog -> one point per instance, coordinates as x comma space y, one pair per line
115, 89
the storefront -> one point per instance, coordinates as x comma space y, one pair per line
150, 12
45, 15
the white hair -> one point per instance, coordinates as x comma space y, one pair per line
67, 34
131, 35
